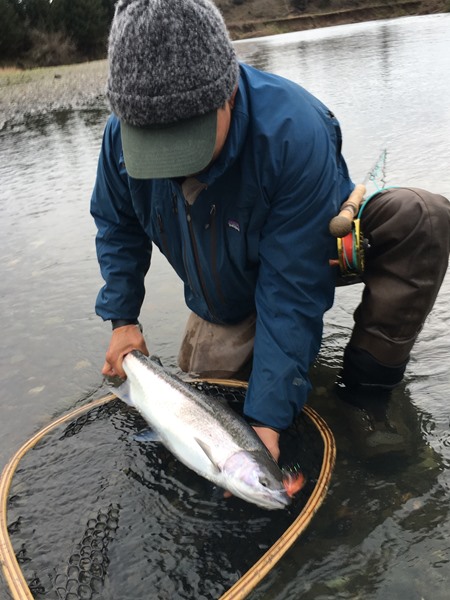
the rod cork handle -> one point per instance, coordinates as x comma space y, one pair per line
341, 225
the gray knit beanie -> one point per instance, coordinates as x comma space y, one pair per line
169, 60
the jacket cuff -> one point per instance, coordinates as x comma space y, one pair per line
254, 423
116, 323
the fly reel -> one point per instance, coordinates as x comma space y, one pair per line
350, 250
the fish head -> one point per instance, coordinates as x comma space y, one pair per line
256, 478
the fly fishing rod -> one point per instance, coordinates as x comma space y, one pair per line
342, 224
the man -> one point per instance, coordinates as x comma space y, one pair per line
235, 174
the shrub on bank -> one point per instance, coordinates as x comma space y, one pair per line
50, 48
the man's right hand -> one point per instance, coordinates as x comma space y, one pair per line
123, 340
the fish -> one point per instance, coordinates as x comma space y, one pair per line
204, 434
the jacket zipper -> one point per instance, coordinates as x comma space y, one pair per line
165, 245
174, 204
197, 260
212, 224
184, 252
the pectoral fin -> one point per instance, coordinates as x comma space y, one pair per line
207, 450
147, 435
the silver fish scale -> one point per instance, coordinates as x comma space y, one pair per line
222, 417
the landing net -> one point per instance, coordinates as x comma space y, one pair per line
88, 513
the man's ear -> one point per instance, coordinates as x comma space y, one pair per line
233, 96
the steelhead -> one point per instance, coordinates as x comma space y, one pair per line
203, 433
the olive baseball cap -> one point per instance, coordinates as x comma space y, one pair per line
171, 66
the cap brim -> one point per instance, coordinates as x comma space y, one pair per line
175, 150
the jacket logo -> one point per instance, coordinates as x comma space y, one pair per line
234, 224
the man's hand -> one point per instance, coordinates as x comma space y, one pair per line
123, 340
270, 439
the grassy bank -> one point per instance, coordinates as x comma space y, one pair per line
36, 91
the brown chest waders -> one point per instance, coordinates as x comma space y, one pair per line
399, 248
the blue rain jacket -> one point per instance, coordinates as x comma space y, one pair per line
256, 239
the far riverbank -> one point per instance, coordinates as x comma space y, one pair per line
29, 92
250, 27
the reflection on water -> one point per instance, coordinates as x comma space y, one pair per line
383, 531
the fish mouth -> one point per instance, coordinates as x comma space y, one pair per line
277, 499
270, 499
282, 498
276, 503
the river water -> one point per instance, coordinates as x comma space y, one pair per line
383, 531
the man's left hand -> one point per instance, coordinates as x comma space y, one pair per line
270, 439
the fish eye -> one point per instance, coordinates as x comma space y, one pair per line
264, 481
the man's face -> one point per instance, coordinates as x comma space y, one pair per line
223, 126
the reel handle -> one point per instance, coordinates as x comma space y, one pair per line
341, 225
